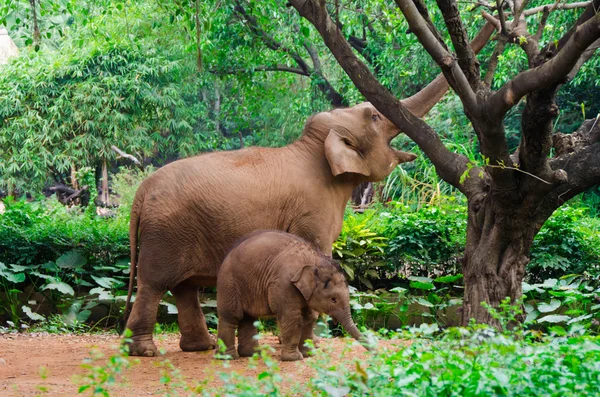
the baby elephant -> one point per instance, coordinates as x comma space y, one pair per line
273, 273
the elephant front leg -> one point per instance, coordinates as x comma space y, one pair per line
309, 319
247, 343
226, 332
194, 333
290, 324
141, 321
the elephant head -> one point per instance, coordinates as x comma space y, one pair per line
326, 291
357, 140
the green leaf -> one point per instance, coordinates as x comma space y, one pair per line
107, 282
14, 278
531, 316
71, 260
18, 268
31, 314
60, 287
554, 318
305, 31
423, 302
549, 307
557, 330
366, 282
448, 279
421, 279
102, 293
421, 286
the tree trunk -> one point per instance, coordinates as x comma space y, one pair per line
105, 195
74, 182
37, 37
499, 238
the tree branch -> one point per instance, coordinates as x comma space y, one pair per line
570, 6
334, 97
493, 64
587, 54
578, 154
420, 4
466, 57
547, 74
452, 71
267, 39
274, 68
422, 102
312, 52
127, 156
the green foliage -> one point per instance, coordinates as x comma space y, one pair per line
359, 250
398, 241
468, 362
125, 183
567, 243
427, 300
567, 306
99, 378
103, 94
427, 241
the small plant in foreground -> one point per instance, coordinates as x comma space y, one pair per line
99, 378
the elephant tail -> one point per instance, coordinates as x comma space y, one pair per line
134, 223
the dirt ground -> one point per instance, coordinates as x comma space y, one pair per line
24, 358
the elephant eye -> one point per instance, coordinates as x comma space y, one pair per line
375, 117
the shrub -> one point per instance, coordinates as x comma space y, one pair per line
568, 243
425, 242
466, 362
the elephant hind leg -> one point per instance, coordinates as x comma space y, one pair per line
247, 343
142, 320
194, 333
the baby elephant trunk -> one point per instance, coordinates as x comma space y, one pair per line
343, 317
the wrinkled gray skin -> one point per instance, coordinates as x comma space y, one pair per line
188, 214
274, 273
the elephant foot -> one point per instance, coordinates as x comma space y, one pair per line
143, 348
195, 344
247, 350
291, 356
230, 354
306, 351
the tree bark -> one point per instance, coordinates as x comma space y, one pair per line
499, 239
37, 37
105, 195
74, 182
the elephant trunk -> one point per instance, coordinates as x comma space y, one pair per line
343, 317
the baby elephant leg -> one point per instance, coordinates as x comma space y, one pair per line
309, 319
226, 332
247, 343
290, 324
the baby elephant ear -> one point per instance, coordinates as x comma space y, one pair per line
342, 157
304, 280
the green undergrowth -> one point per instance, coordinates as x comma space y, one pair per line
470, 361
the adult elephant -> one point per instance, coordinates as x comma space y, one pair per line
188, 214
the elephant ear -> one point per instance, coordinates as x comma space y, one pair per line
304, 280
342, 157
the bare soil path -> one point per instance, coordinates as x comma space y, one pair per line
23, 357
